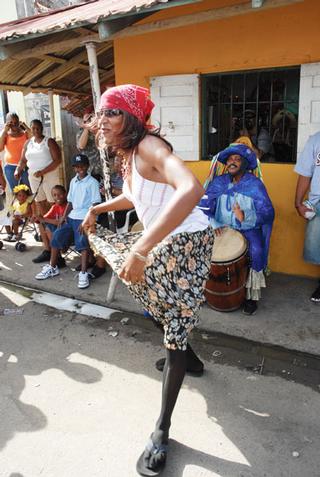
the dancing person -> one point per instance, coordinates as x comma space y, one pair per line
239, 200
166, 266
12, 140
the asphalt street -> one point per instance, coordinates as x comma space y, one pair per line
79, 397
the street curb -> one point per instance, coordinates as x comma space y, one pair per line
234, 341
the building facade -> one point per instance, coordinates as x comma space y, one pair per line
263, 66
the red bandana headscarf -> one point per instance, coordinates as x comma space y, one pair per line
128, 97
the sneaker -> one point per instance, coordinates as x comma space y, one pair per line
47, 272
43, 257
315, 297
83, 280
97, 272
61, 263
250, 307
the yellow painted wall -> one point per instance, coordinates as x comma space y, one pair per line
278, 37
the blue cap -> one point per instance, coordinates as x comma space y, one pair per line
80, 160
242, 150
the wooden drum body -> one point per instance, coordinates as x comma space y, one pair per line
226, 288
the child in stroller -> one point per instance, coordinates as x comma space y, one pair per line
19, 211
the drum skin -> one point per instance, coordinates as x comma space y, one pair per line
226, 288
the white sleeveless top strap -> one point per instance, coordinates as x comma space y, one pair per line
150, 198
38, 154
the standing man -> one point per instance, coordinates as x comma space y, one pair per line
308, 168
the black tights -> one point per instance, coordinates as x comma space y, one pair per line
173, 375
172, 380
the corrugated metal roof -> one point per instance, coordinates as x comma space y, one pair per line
74, 16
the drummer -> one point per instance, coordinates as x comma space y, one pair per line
239, 200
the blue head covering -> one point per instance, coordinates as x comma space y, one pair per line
243, 151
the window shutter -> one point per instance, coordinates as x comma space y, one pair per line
176, 111
309, 103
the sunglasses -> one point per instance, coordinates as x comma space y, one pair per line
109, 113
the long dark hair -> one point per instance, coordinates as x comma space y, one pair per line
133, 132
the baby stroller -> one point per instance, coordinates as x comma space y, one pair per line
21, 246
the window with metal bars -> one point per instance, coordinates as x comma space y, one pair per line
261, 104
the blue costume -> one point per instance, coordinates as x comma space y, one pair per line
251, 195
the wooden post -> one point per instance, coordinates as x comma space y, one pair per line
94, 74
52, 118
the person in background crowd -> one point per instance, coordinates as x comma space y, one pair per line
19, 210
83, 193
239, 200
308, 170
51, 220
3, 183
42, 156
12, 140
165, 267
259, 136
86, 143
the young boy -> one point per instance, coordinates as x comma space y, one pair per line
83, 193
48, 224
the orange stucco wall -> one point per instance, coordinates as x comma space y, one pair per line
277, 37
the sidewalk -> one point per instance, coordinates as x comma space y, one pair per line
285, 317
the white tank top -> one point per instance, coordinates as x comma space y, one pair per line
149, 198
38, 154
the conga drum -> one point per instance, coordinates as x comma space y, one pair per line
226, 288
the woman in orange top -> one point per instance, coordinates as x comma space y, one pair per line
12, 140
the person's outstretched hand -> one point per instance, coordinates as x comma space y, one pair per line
132, 270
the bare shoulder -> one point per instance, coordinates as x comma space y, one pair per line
153, 148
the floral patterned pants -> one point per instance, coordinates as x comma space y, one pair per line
175, 276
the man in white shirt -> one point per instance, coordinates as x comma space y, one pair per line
308, 168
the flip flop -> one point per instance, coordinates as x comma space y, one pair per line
143, 461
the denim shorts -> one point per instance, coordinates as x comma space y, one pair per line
9, 170
51, 227
69, 233
311, 251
